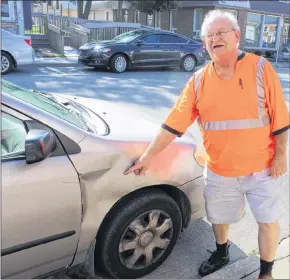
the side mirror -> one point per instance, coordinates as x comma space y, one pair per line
140, 43
39, 144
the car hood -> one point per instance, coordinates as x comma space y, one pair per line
126, 122
99, 44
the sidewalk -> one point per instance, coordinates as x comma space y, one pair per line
47, 55
248, 268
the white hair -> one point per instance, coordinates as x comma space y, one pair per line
218, 14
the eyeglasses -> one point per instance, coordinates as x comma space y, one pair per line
220, 33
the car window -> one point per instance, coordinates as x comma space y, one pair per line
13, 134
128, 36
169, 39
182, 40
151, 39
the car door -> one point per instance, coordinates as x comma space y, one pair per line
147, 54
170, 49
41, 204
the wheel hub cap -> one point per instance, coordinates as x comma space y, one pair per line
189, 63
120, 64
4, 64
146, 238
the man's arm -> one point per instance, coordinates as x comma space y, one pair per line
179, 119
279, 115
279, 163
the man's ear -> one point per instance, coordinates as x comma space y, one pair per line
238, 35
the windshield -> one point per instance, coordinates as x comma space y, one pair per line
129, 36
55, 105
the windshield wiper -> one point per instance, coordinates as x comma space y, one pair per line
65, 104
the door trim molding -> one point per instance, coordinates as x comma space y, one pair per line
35, 243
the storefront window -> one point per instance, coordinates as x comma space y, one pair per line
137, 17
198, 17
270, 31
149, 19
125, 15
253, 30
6, 9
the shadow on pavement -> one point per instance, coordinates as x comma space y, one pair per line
190, 252
146, 88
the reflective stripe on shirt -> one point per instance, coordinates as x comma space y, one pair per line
263, 117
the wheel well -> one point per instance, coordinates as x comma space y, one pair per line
13, 59
127, 57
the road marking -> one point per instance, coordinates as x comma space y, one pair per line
55, 70
67, 75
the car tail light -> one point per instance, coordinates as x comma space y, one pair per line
28, 41
202, 47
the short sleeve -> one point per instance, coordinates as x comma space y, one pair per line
184, 112
279, 114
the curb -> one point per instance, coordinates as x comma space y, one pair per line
237, 270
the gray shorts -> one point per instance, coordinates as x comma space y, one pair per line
225, 196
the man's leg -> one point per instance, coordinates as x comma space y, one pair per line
222, 210
268, 237
221, 233
263, 194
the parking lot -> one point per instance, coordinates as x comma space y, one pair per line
150, 94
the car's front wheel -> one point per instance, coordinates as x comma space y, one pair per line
6, 63
139, 236
119, 63
188, 63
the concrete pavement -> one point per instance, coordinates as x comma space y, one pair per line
152, 93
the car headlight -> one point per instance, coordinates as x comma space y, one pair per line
104, 50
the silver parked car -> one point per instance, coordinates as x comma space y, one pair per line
15, 50
64, 193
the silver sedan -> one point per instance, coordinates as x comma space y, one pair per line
64, 193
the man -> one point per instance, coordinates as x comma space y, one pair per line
238, 101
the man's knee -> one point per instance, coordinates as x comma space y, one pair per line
268, 226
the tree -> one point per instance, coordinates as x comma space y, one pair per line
84, 8
150, 6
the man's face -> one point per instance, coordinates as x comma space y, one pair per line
220, 38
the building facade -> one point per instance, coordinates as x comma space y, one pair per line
264, 24
13, 17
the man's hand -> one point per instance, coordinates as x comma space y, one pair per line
140, 166
278, 166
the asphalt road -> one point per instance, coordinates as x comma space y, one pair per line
151, 94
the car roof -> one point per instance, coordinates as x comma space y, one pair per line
166, 32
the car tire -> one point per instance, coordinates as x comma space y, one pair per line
123, 226
188, 63
119, 63
6, 63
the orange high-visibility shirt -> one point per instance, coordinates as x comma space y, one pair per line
238, 118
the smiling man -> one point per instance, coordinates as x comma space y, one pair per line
239, 104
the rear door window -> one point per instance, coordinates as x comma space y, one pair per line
169, 39
151, 39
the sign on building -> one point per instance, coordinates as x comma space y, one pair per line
237, 3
